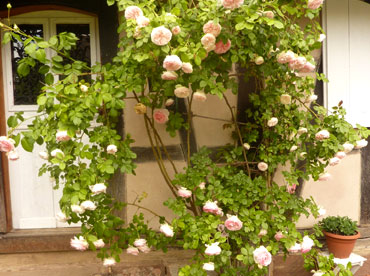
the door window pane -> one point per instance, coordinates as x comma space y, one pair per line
26, 89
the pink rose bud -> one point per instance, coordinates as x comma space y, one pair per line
169, 102
307, 244
322, 135
132, 251
202, 185
61, 217
109, 261
334, 161
209, 266
262, 166
295, 248
314, 4
222, 48
213, 249
340, 154
55, 152
208, 40
212, 207
285, 99
182, 92
279, 235
348, 147
187, 68
13, 155
88, 205
361, 144
176, 30
246, 146
139, 242
324, 177
199, 96
84, 88
99, 244
272, 122
111, 149
169, 75
62, 136
261, 256
262, 233
269, 14
77, 209
161, 36
184, 193
232, 4
44, 155
259, 60
160, 116
291, 188
212, 28
293, 148
233, 223
133, 12
142, 21
98, 188
167, 230
79, 243
172, 63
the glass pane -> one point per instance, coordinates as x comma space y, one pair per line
82, 50
26, 89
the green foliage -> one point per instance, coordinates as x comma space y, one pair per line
339, 225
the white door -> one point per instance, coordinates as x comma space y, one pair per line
34, 201
348, 58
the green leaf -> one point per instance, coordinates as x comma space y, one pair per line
43, 44
23, 69
57, 58
44, 69
53, 41
49, 79
41, 55
27, 143
111, 2
12, 121
41, 100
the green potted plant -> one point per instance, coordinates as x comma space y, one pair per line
341, 235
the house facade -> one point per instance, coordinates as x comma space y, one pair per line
29, 204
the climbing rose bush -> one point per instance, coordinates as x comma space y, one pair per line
229, 210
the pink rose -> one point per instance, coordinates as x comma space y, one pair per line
88, 205
279, 235
297, 63
172, 63
209, 266
285, 99
340, 154
133, 12
361, 144
324, 177
187, 68
212, 207
169, 75
222, 48
212, 28
209, 48
295, 248
161, 36
184, 193
199, 96
182, 92
62, 136
208, 40
98, 188
84, 88
213, 249
261, 256
202, 185
233, 223
132, 251
144, 249
160, 116
263, 232
232, 4
322, 135
269, 14
142, 21
272, 122
44, 155
13, 155
167, 230
77, 209
307, 244
308, 67
109, 261
314, 4
139, 242
334, 161
176, 30
262, 166
79, 243
61, 217
111, 149
291, 188
348, 147
281, 58
99, 244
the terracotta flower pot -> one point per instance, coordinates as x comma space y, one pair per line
340, 246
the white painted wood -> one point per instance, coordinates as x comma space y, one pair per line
347, 58
34, 201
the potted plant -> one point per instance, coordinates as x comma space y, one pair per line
341, 235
